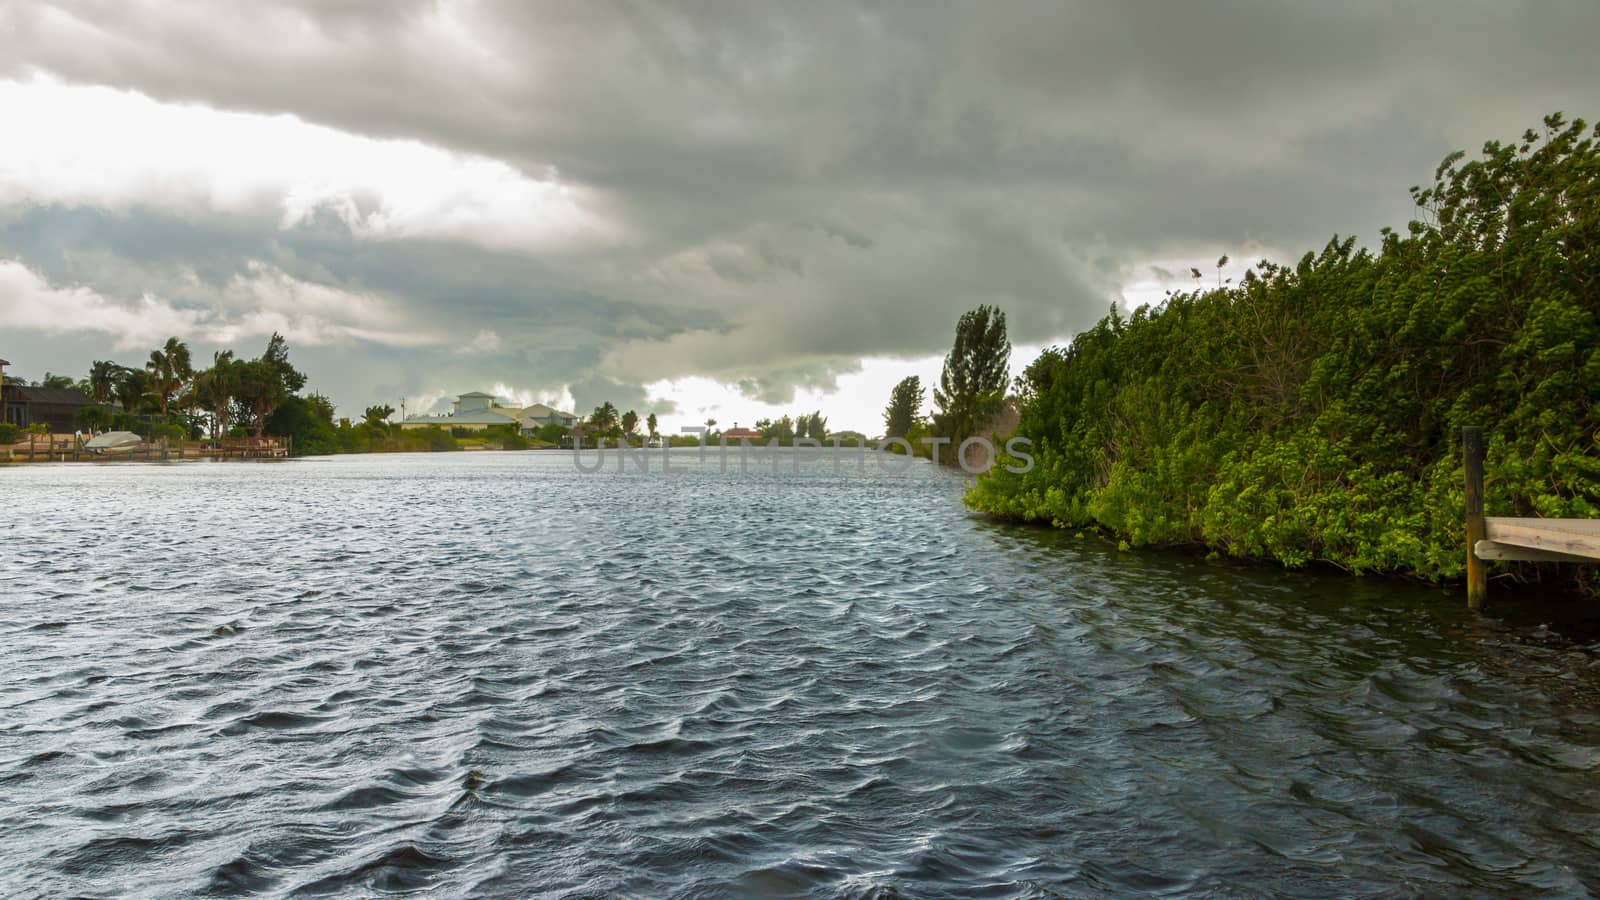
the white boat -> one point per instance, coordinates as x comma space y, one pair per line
114, 442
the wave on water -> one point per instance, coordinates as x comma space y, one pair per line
696, 684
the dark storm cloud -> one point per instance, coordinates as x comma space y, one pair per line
448, 291
796, 186
590, 392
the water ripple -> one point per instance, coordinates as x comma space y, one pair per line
490, 675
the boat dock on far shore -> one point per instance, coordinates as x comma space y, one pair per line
71, 448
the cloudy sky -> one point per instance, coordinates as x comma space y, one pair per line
730, 210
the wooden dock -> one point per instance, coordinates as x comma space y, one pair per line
268, 447
59, 448
1512, 538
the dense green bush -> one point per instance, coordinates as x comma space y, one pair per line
92, 418
171, 431
8, 433
506, 437
552, 433
309, 421
1313, 412
378, 437
433, 439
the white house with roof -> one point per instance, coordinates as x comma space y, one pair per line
476, 411
539, 415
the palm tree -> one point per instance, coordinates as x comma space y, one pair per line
604, 417
216, 387
171, 368
188, 400
103, 377
650, 423
134, 389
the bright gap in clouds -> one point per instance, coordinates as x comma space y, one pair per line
79, 146
857, 405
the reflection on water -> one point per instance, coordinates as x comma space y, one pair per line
492, 675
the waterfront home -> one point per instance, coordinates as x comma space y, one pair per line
476, 401
741, 434
539, 415
476, 411
53, 407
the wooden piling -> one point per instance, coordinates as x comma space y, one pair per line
1477, 569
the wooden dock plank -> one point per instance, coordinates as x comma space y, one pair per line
1572, 537
1574, 526
1513, 538
1497, 551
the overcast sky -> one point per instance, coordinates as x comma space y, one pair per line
729, 210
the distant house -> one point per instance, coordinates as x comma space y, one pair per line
54, 407
741, 434
476, 411
538, 415
475, 401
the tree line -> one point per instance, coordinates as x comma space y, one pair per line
787, 429
606, 423
168, 395
1312, 412
971, 399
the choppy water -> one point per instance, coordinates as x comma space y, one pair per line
490, 675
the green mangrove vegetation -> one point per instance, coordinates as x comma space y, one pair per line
1312, 412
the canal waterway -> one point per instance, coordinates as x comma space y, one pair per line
494, 675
